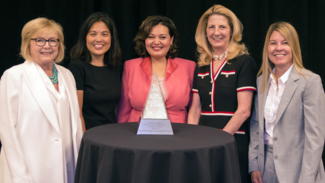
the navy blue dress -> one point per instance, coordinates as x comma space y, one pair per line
218, 97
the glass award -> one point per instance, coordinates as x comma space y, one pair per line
154, 119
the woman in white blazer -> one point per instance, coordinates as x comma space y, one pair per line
287, 126
40, 128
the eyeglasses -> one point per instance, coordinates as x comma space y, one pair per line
42, 41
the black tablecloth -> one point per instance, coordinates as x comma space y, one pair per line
194, 154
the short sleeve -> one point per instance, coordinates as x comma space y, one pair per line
195, 88
77, 69
247, 72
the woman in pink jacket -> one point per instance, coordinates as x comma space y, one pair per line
156, 43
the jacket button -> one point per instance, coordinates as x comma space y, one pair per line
275, 138
210, 93
211, 81
210, 105
202, 77
276, 157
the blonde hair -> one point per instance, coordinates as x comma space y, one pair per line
204, 48
33, 28
291, 36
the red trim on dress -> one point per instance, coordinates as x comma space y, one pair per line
204, 73
213, 78
195, 90
217, 113
229, 72
246, 88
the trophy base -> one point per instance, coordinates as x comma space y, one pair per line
155, 127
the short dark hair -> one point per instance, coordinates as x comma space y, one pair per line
145, 29
80, 51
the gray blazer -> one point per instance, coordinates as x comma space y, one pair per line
299, 130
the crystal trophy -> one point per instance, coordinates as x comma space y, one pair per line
154, 119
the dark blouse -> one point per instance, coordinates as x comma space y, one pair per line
102, 91
218, 97
218, 93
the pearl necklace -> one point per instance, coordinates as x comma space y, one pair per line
222, 56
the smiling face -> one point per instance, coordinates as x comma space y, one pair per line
98, 40
158, 42
44, 55
218, 33
279, 51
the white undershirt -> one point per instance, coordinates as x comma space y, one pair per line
163, 87
272, 104
61, 105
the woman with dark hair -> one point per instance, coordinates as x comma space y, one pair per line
156, 43
96, 67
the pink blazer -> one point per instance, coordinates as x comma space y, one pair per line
136, 83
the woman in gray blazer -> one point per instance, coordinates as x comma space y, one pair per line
287, 126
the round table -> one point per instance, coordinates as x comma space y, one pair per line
194, 154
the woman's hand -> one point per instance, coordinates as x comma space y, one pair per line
256, 177
242, 113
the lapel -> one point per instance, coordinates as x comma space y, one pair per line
214, 76
40, 93
146, 67
171, 67
288, 92
71, 93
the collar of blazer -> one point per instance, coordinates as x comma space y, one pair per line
70, 86
40, 93
146, 66
288, 92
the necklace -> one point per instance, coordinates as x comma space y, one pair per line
222, 56
54, 77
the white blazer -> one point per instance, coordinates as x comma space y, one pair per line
29, 129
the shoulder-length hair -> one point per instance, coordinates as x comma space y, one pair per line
80, 51
204, 49
145, 29
34, 28
291, 36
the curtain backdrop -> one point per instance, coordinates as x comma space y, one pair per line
307, 16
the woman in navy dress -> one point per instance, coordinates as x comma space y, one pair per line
224, 81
